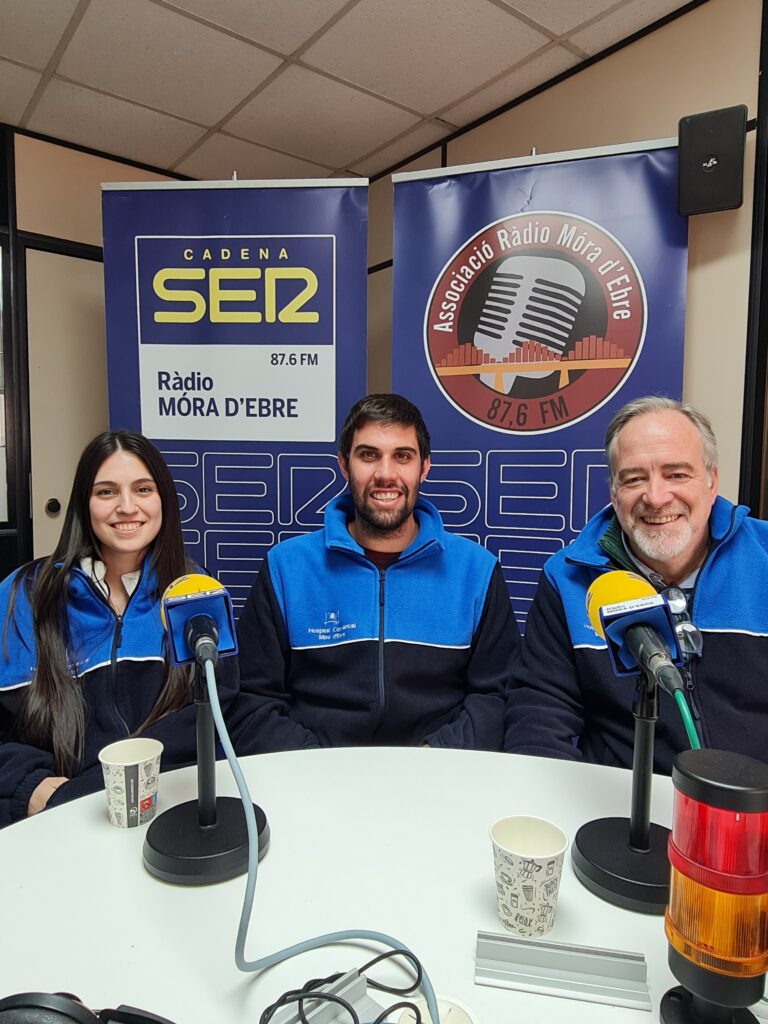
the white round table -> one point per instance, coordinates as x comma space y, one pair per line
390, 839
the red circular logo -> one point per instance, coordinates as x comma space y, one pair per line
535, 322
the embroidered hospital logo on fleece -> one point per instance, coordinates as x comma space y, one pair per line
333, 629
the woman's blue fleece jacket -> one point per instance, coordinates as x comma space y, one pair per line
120, 665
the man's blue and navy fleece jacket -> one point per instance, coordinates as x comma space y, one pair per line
340, 653
565, 699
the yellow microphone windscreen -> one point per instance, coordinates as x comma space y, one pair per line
185, 586
612, 587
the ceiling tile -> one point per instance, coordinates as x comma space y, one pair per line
422, 54
283, 25
220, 155
426, 54
16, 88
411, 143
541, 69
31, 29
160, 58
559, 16
113, 126
319, 119
616, 27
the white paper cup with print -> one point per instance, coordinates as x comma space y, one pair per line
131, 771
528, 856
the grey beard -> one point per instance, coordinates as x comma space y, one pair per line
660, 549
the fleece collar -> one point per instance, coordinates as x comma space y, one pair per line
429, 539
588, 548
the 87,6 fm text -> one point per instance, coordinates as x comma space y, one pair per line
294, 359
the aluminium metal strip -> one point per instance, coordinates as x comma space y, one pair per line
558, 969
352, 986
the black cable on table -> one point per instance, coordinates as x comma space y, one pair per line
404, 1005
312, 989
297, 996
408, 955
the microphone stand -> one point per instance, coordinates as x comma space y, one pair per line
625, 862
206, 753
646, 713
203, 840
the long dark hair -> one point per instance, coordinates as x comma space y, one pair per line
53, 716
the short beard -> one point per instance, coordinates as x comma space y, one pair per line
661, 547
379, 523
374, 524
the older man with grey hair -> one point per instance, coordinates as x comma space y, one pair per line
666, 523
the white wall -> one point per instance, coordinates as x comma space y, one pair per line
58, 193
706, 59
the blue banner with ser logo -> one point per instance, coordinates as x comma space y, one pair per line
236, 340
283, 283
531, 300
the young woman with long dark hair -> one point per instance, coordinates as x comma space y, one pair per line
84, 656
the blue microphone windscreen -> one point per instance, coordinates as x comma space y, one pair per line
656, 614
179, 610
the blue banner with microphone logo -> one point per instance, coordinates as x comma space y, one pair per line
531, 300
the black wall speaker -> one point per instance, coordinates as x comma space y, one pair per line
710, 173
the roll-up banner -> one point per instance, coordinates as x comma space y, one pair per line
236, 341
531, 299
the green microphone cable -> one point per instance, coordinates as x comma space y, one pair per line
669, 679
685, 714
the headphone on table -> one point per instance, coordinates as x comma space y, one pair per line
63, 1008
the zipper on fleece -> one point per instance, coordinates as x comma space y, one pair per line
687, 674
117, 639
380, 648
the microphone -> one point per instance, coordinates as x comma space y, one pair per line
624, 860
196, 612
638, 626
201, 636
531, 299
203, 840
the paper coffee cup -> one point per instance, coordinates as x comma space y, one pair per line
131, 770
528, 856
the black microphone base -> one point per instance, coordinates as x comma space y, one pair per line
679, 1006
604, 863
178, 849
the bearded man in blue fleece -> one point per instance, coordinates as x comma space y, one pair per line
381, 628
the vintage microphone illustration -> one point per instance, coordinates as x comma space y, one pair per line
532, 299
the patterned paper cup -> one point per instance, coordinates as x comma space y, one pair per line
528, 858
131, 770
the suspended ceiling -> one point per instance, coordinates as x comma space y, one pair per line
287, 88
